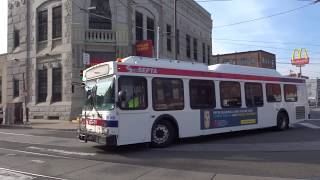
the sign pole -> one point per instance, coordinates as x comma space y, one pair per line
300, 75
158, 43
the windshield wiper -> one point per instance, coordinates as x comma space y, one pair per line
92, 96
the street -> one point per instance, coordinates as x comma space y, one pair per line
57, 154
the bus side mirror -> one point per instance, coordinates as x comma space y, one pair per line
122, 96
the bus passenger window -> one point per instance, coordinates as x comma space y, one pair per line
230, 93
202, 94
167, 94
134, 90
290, 93
254, 94
273, 93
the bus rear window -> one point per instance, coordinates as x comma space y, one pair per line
254, 94
230, 93
290, 93
167, 94
273, 92
202, 94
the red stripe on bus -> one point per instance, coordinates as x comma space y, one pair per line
179, 72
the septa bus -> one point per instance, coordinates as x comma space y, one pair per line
138, 99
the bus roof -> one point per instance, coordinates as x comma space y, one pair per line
144, 65
185, 65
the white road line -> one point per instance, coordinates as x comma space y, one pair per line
37, 161
62, 151
17, 134
39, 154
31, 174
6, 175
309, 125
313, 119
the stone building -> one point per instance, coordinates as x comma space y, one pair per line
258, 58
50, 41
3, 58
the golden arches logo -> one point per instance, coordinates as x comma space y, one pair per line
300, 57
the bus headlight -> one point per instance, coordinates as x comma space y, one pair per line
105, 131
82, 124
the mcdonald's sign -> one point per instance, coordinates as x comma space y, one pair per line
300, 57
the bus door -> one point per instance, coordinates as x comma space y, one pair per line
273, 105
132, 109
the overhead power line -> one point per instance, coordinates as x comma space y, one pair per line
261, 46
201, 1
266, 17
268, 42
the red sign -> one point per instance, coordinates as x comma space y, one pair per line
95, 61
144, 48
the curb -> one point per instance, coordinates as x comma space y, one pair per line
16, 126
51, 129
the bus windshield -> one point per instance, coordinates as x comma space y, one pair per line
100, 94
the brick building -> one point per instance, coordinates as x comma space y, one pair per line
49, 40
258, 58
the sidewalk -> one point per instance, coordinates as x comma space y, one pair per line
54, 124
46, 124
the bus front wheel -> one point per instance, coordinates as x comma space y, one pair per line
282, 121
162, 134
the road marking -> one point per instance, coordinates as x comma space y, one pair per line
16, 134
39, 154
38, 161
10, 155
62, 151
32, 174
309, 125
313, 119
7, 175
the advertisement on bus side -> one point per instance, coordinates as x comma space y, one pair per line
211, 119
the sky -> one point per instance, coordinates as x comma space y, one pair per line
279, 34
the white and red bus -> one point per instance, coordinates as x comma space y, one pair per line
137, 100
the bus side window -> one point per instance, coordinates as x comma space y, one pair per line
273, 93
135, 91
254, 94
202, 94
290, 93
230, 94
167, 94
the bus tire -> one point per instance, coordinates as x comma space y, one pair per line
282, 121
162, 134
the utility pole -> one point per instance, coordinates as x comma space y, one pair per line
158, 42
175, 29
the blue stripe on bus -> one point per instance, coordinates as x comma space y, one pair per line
112, 124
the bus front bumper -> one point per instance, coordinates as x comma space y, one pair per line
110, 140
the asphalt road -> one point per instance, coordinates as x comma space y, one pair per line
52, 154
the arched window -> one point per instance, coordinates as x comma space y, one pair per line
100, 17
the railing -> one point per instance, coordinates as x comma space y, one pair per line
82, 35
102, 36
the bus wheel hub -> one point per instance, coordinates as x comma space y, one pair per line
160, 134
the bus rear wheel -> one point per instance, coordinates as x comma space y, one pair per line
282, 121
162, 134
